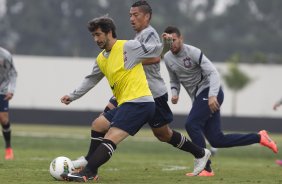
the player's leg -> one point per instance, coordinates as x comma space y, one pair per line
178, 140
196, 121
6, 127
98, 130
159, 125
101, 126
127, 120
218, 139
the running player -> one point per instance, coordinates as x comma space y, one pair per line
8, 77
120, 63
187, 65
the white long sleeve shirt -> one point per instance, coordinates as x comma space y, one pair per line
8, 73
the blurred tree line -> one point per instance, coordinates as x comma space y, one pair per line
221, 28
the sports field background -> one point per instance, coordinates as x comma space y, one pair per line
140, 159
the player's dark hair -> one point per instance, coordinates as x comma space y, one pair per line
172, 29
144, 7
106, 24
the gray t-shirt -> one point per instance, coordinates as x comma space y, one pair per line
8, 73
191, 68
135, 53
152, 71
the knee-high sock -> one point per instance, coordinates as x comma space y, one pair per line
6, 130
180, 141
101, 155
96, 140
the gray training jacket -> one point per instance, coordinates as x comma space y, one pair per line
8, 73
191, 68
152, 71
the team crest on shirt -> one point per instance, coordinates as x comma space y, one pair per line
187, 62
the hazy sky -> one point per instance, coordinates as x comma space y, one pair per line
221, 6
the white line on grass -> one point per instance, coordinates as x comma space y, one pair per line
73, 136
46, 135
175, 168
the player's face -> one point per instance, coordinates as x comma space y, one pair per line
177, 43
138, 19
101, 38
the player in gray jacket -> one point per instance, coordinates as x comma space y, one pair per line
189, 67
8, 77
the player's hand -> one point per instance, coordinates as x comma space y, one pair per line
8, 96
275, 107
66, 99
167, 36
174, 99
213, 104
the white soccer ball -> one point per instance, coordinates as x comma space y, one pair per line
59, 166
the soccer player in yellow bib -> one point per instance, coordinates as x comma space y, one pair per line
140, 15
120, 62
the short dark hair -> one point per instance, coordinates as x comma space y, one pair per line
105, 23
172, 29
144, 6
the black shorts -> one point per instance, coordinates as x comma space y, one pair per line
131, 116
113, 101
4, 104
163, 114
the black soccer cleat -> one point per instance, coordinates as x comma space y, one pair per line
74, 177
79, 177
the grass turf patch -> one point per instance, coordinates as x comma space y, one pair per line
139, 159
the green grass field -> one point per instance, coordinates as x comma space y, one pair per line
138, 160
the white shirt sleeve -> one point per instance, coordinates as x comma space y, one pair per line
135, 52
87, 83
174, 81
